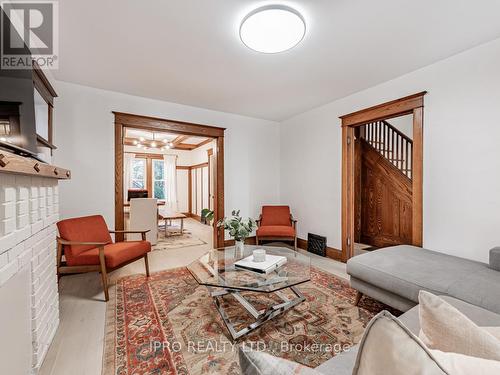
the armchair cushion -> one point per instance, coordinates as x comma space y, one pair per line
114, 253
276, 231
83, 229
276, 215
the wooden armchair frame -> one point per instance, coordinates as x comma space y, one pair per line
294, 239
64, 269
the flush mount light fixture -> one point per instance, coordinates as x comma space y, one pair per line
272, 29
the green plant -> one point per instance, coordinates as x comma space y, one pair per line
207, 215
238, 228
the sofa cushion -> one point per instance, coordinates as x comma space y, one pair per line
115, 254
276, 231
405, 270
481, 288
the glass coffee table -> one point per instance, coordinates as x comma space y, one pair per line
216, 271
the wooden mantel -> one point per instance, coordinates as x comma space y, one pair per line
12, 163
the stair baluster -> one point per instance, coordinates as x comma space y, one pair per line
391, 143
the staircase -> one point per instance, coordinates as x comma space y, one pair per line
391, 143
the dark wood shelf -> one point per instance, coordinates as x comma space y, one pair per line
12, 163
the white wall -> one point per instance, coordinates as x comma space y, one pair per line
84, 134
404, 124
182, 190
199, 155
461, 154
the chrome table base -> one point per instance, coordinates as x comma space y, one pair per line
261, 316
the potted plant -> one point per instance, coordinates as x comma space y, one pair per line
238, 228
207, 216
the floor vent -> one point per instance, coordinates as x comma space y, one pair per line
316, 244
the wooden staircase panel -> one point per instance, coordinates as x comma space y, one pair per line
386, 200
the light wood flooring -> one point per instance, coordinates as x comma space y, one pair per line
78, 345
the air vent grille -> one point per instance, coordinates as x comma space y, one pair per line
316, 244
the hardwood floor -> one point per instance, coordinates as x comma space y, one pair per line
78, 345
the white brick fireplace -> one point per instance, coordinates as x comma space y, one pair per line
28, 281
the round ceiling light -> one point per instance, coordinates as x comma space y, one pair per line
272, 29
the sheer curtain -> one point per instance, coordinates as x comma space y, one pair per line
127, 168
170, 175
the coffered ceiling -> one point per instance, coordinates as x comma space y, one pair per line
162, 140
189, 52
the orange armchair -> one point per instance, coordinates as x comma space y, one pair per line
87, 246
276, 223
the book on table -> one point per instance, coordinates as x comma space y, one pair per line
271, 263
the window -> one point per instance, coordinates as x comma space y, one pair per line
158, 179
138, 174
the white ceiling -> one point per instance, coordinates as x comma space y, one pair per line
188, 51
194, 140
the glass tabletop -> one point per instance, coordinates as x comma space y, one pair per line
217, 269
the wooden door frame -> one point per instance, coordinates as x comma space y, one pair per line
210, 152
413, 104
128, 120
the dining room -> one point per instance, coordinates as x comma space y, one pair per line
168, 187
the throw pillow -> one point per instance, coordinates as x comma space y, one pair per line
389, 348
459, 364
445, 328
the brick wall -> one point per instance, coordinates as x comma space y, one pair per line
29, 209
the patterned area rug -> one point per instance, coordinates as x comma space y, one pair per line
176, 241
169, 325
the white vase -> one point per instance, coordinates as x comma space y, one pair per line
240, 247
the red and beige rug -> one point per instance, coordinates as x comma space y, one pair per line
169, 325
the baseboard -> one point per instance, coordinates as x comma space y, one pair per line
331, 252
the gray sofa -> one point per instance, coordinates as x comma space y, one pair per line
395, 275
343, 363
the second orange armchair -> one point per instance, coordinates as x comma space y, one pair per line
276, 223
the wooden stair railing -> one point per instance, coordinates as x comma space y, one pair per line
391, 143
